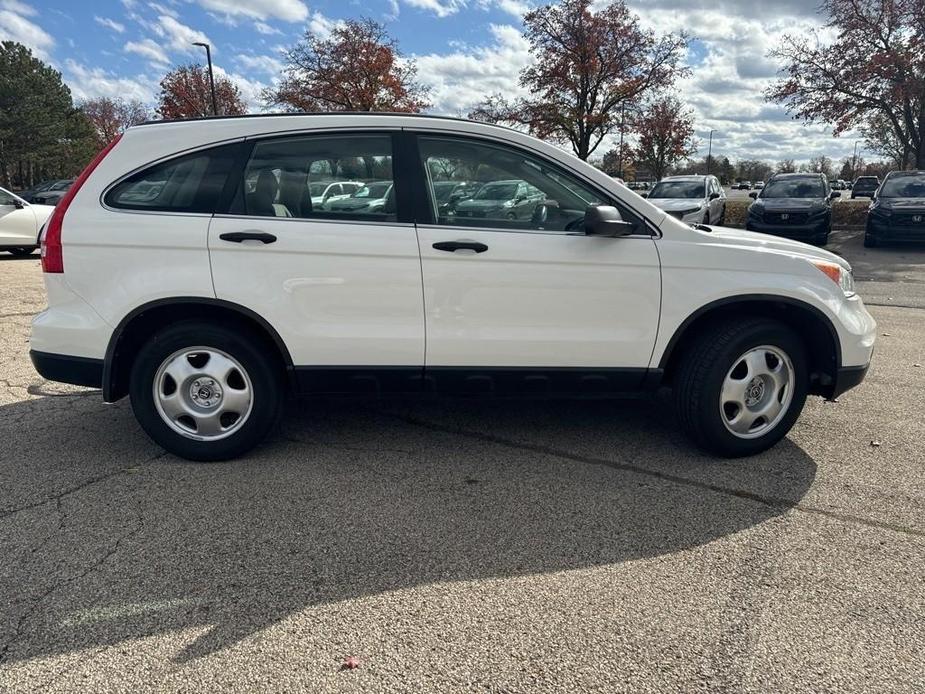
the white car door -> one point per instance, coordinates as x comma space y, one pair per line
341, 287
531, 303
20, 221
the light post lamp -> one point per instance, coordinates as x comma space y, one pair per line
211, 78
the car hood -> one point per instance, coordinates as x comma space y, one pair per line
675, 204
751, 239
790, 204
903, 203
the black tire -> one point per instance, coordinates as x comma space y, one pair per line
722, 217
706, 216
21, 252
265, 375
704, 368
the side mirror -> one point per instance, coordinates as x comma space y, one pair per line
645, 193
604, 220
18, 204
753, 195
714, 196
834, 194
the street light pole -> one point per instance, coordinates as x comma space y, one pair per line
622, 121
854, 161
211, 78
710, 152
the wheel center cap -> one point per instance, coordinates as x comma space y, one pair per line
754, 391
205, 392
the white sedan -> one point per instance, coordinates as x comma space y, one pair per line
20, 223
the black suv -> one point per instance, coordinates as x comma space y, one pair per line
795, 205
865, 186
897, 212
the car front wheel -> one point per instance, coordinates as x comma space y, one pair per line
741, 386
204, 392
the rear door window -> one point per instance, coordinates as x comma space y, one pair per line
282, 173
190, 183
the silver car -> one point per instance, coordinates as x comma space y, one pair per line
692, 199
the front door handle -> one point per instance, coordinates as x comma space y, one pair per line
239, 236
453, 246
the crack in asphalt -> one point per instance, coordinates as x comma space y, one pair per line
773, 502
62, 522
83, 485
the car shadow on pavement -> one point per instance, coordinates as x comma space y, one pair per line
9, 257
105, 538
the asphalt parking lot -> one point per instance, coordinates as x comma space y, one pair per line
491, 546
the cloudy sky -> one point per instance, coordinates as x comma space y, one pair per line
465, 49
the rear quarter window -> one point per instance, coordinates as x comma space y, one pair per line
189, 183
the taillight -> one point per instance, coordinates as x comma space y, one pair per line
52, 255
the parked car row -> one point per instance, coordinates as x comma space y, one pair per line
20, 223
47, 192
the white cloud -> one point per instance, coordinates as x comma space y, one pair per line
322, 26
265, 29
148, 49
260, 63
163, 9
179, 37
15, 27
461, 79
18, 7
250, 89
286, 10
110, 23
90, 82
441, 8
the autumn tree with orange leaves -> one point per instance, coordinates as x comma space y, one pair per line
357, 68
666, 135
871, 75
587, 64
110, 117
185, 93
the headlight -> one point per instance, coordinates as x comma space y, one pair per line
688, 211
839, 275
879, 210
756, 211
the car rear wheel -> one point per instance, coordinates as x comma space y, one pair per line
204, 392
741, 386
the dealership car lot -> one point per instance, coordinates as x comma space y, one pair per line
508, 546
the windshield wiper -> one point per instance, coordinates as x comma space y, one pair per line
702, 227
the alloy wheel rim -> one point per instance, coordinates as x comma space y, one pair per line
203, 393
757, 392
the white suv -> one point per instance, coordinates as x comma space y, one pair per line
188, 268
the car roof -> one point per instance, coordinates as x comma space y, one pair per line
804, 174
917, 172
687, 177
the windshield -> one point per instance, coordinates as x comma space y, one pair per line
374, 190
678, 189
866, 183
907, 186
794, 188
500, 191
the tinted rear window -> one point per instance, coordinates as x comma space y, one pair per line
191, 183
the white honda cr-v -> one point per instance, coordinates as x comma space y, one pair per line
188, 268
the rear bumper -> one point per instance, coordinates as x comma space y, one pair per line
78, 371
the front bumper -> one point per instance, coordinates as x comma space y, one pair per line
887, 229
790, 231
847, 378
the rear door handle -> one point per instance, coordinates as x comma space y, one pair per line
239, 236
453, 246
